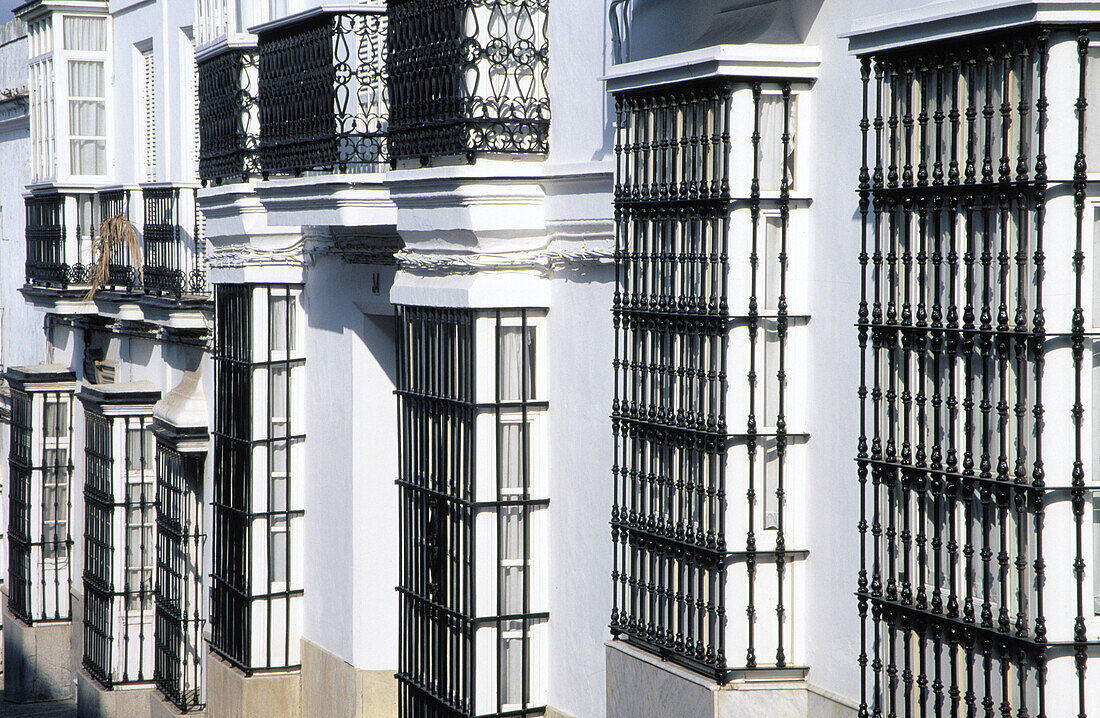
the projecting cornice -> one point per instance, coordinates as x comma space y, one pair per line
950, 18
757, 61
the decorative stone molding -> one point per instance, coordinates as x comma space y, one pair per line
236, 256
556, 255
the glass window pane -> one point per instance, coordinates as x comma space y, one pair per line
57, 419
772, 165
517, 363
512, 539
512, 457
86, 79
511, 666
85, 33
278, 545
773, 240
87, 118
280, 375
282, 327
88, 157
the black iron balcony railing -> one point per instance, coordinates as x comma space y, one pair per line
46, 241
468, 77
122, 273
228, 116
322, 93
170, 266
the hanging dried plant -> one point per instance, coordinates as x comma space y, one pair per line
116, 237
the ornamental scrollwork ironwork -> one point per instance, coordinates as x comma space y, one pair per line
229, 132
468, 77
322, 94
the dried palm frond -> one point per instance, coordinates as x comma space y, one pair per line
116, 236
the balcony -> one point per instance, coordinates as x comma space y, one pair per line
228, 115
322, 92
468, 77
62, 227
170, 267
122, 269
47, 260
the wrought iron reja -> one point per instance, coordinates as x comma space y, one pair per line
45, 233
123, 267
671, 318
163, 249
228, 116
468, 77
322, 94
953, 195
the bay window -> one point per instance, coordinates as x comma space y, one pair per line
472, 473
120, 547
180, 618
258, 467
40, 502
69, 82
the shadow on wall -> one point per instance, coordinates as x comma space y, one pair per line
36, 663
702, 23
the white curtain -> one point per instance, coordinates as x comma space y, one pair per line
511, 665
512, 559
87, 117
517, 363
282, 326
773, 236
85, 33
771, 142
511, 456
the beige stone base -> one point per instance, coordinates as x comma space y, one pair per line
231, 694
36, 660
334, 688
161, 707
640, 685
95, 701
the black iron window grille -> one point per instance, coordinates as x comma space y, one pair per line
957, 351
39, 535
322, 94
171, 266
228, 116
123, 267
45, 217
255, 625
180, 617
120, 549
468, 77
672, 518
449, 604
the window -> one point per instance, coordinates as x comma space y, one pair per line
953, 429
777, 160
41, 88
55, 503
496, 500
87, 117
257, 460
39, 504
1096, 554
87, 34
140, 549
179, 588
56, 424
120, 537
148, 111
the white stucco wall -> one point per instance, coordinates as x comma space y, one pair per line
350, 545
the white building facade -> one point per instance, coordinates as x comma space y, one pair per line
343, 331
